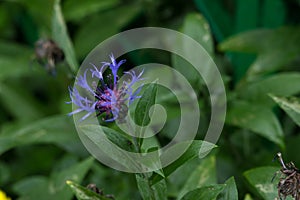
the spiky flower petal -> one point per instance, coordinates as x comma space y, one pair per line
109, 98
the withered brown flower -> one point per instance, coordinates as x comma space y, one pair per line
289, 182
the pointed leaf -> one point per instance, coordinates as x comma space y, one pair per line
203, 175
291, 106
196, 26
256, 118
147, 191
230, 192
207, 192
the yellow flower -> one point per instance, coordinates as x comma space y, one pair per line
3, 196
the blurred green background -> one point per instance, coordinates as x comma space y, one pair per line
255, 43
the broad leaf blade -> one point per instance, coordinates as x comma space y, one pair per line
230, 192
41, 131
256, 118
207, 192
275, 48
111, 144
195, 26
260, 180
291, 106
203, 175
282, 84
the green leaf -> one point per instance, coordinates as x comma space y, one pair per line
104, 140
282, 84
40, 12
142, 110
148, 191
22, 107
207, 192
43, 131
114, 136
195, 26
60, 35
291, 106
54, 188
203, 175
14, 66
160, 190
260, 180
76, 11
230, 192
14, 60
256, 118
278, 48
83, 193
248, 197
191, 153
97, 29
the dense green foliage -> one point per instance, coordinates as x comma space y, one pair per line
255, 45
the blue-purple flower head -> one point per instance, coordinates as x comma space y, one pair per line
109, 97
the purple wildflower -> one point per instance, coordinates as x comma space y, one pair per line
109, 98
